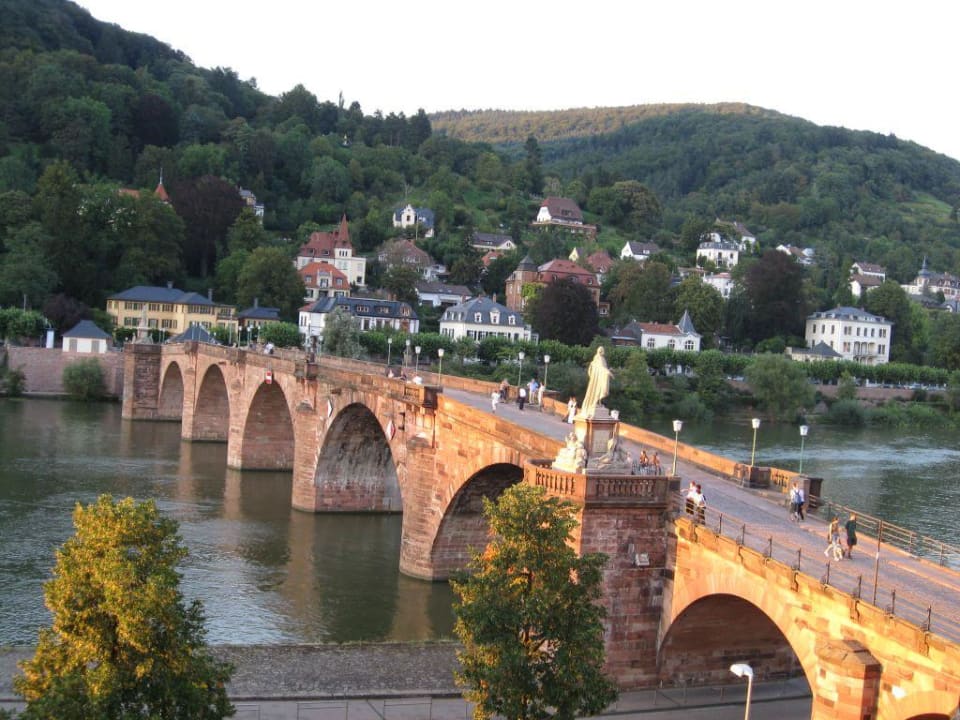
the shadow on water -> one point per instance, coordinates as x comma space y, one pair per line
265, 572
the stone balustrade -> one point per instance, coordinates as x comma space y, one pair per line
599, 489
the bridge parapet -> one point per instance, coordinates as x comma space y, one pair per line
596, 489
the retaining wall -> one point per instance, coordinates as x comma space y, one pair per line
43, 369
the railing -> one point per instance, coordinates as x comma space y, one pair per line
907, 540
646, 489
874, 588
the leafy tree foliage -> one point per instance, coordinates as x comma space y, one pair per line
528, 615
564, 310
774, 287
208, 206
704, 303
641, 292
83, 379
270, 277
122, 643
401, 280
281, 334
891, 301
341, 335
779, 385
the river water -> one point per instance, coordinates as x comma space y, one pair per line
270, 574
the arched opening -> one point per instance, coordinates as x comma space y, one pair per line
268, 441
170, 405
717, 631
464, 528
356, 471
211, 413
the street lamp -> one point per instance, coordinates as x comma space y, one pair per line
744, 670
406, 354
440, 355
677, 427
546, 366
389, 348
755, 423
804, 429
520, 371
416, 349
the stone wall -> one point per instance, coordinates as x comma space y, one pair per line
43, 369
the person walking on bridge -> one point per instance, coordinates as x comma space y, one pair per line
851, 527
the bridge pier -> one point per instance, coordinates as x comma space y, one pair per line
848, 681
141, 381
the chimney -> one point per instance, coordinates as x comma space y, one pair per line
494, 297
210, 294
256, 302
169, 284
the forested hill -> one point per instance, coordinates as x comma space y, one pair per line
850, 194
513, 127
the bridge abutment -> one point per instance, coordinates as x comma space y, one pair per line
141, 381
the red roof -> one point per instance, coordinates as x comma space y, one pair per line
566, 268
315, 270
600, 261
660, 329
563, 209
323, 244
161, 192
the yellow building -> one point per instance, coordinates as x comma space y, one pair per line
169, 309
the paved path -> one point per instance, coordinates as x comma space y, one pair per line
919, 584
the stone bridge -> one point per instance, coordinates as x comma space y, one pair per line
682, 602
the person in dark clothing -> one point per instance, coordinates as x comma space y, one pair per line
851, 528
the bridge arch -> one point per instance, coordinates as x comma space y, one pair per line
713, 632
463, 527
211, 413
268, 435
356, 469
929, 705
170, 402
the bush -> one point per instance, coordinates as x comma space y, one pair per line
281, 334
846, 412
12, 382
83, 379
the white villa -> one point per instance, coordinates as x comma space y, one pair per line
723, 254
855, 334
482, 317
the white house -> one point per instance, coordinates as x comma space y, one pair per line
722, 254
860, 285
485, 242
868, 270
930, 283
804, 256
369, 313
682, 336
86, 337
482, 317
857, 335
410, 216
638, 251
722, 281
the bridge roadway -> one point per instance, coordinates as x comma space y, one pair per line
913, 588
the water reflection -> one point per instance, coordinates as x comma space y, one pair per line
265, 572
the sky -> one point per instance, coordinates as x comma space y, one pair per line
883, 66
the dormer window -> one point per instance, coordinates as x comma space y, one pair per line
512, 320
495, 318
478, 317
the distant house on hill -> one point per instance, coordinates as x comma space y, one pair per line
638, 251
563, 213
855, 334
722, 254
86, 337
257, 316
250, 201
323, 280
168, 309
804, 256
653, 336
818, 353
722, 281
409, 216
485, 242
560, 269
440, 294
334, 248
930, 283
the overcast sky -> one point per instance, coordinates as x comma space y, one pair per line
884, 66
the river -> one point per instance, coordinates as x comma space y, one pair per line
270, 574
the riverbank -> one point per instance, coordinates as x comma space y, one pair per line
315, 671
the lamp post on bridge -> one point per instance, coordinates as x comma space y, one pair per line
546, 367
440, 355
416, 370
677, 427
406, 354
744, 670
389, 348
520, 371
804, 429
755, 423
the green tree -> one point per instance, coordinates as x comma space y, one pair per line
641, 292
533, 166
528, 615
891, 301
83, 379
774, 286
712, 384
846, 387
341, 335
633, 391
122, 643
779, 385
25, 273
269, 277
704, 303
401, 280
281, 334
564, 310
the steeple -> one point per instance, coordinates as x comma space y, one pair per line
686, 324
161, 191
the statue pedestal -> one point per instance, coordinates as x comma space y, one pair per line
595, 432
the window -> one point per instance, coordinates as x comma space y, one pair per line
495, 318
688, 345
133, 306
512, 320
154, 307
672, 344
651, 343
167, 324
882, 349
478, 317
